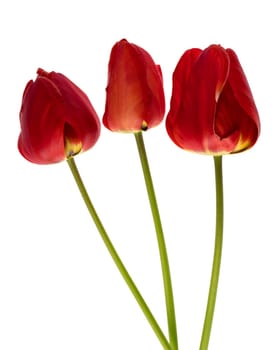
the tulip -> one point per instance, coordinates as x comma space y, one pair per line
212, 110
57, 120
134, 103
135, 97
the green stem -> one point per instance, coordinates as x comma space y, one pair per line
169, 300
116, 257
217, 255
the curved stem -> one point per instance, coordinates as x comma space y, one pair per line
169, 300
217, 255
116, 257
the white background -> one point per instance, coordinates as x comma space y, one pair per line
59, 288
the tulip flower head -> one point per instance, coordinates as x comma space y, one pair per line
212, 110
135, 97
57, 120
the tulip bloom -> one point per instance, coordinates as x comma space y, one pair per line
212, 109
135, 97
57, 119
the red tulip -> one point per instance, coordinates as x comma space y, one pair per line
57, 119
135, 97
212, 109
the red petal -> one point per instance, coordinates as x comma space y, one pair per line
41, 138
78, 111
134, 92
181, 76
237, 117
